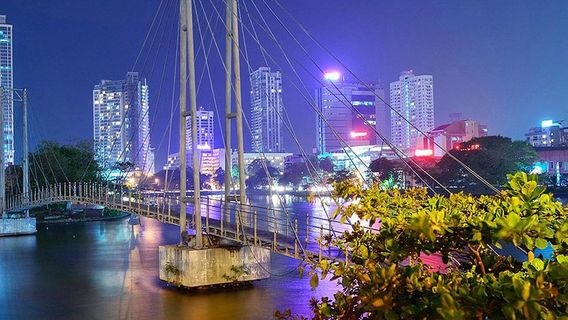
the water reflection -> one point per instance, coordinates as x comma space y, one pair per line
109, 270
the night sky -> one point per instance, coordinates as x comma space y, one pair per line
503, 63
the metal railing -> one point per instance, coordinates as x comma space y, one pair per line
294, 234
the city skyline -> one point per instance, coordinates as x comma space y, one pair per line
480, 89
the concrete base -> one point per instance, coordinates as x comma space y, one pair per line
188, 267
18, 226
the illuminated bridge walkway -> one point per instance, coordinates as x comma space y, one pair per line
292, 234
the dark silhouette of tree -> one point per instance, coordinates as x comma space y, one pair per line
219, 176
294, 173
326, 165
257, 173
491, 157
383, 167
53, 162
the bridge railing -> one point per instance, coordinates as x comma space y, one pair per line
293, 233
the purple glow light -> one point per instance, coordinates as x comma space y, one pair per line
332, 75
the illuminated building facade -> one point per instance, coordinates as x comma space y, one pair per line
412, 99
349, 113
549, 134
205, 131
448, 136
121, 129
266, 110
7, 82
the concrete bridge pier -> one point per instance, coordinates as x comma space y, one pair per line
224, 264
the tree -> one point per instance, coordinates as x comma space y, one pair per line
342, 176
173, 179
219, 176
294, 173
326, 165
257, 173
383, 166
53, 162
14, 180
383, 276
491, 157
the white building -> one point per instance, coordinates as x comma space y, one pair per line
209, 161
172, 162
7, 82
359, 158
412, 97
121, 129
353, 110
549, 134
276, 159
205, 131
266, 110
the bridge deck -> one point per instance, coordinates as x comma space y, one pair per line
265, 227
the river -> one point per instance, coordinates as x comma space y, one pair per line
109, 270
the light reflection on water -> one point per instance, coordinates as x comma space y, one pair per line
109, 270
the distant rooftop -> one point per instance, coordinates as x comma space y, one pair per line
2, 19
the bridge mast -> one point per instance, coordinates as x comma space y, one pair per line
187, 64
228, 108
238, 101
193, 114
182, 126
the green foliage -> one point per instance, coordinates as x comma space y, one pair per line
385, 278
53, 162
294, 173
343, 176
237, 272
173, 274
257, 174
307, 170
492, 157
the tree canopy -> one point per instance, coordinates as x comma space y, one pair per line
492, 157
53, 162
257, 173
384, 275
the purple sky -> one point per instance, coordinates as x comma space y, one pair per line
500, 62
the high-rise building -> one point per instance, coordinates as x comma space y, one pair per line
121, 129
7, 83
549, 134
205, 130
412, 99
266, 110
350, 113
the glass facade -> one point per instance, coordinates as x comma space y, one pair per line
121, 127
266, 110
412, 99
349, 114
7, 82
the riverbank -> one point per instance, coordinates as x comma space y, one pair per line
70, 220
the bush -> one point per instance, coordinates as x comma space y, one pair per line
385, 278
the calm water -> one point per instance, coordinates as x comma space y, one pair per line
109, 270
